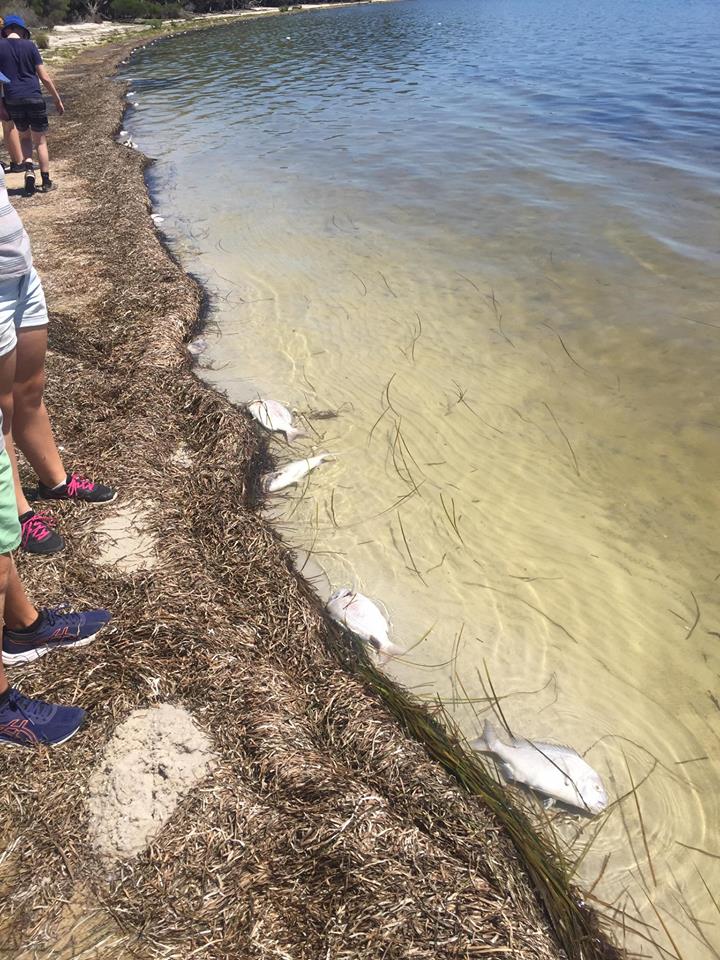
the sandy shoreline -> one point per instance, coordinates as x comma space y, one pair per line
69, 39
326, 829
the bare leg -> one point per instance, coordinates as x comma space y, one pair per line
7, 379
29, 421
19, 612
12, 141
39, 140
26, 146
5, 564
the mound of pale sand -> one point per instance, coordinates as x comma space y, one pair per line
153, 759
126, 540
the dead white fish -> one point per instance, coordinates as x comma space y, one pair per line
364, 618
123, 133
129, 143
292, 472
557, 772
156, 218
274, 417
197, 346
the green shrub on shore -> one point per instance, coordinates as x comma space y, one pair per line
21, 10
42, 39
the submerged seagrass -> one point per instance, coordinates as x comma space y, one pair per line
330, 827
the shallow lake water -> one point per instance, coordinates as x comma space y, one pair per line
485, 234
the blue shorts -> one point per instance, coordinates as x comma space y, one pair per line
22, 306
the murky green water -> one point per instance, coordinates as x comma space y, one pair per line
487, 234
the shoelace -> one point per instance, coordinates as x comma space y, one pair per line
31, 710
37, 527
65, 615
78, 484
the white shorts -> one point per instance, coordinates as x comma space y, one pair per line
22, 305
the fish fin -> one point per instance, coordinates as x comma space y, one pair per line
390, 649
488, 742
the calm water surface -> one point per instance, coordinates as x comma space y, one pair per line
486, 232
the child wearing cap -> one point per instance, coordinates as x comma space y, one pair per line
24, 105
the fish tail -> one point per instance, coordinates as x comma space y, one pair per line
293, 433
391, 649
488, 741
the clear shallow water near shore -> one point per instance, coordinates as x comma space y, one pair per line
487, 234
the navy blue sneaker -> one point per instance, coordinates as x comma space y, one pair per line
25, 722
58, 628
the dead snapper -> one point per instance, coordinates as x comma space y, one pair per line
292, 472
555, 771
274, 417
364, 618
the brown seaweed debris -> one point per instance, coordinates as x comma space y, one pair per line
343, 821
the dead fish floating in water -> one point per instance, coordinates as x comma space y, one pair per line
274, 417
156, 218
361, 616
292, 472
557, 772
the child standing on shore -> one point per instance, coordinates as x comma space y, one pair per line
28, 634
23, 345
20, 60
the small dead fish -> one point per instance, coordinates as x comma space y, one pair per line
555, 771
156, 218
292, 472
198, 346
364, 618
274, 417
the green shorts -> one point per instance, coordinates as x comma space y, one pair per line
9, 523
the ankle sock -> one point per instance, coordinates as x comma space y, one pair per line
33, 626
59, 486
45, 177
26, 516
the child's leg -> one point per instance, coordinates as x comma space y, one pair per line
5, 565
12, 141
7, 379
19, 612
40, 143
26, 146
24, 721
31, 427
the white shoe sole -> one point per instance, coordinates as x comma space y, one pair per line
13, 659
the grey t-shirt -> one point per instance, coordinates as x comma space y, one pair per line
15, 253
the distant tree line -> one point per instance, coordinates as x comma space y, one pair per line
51, 12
